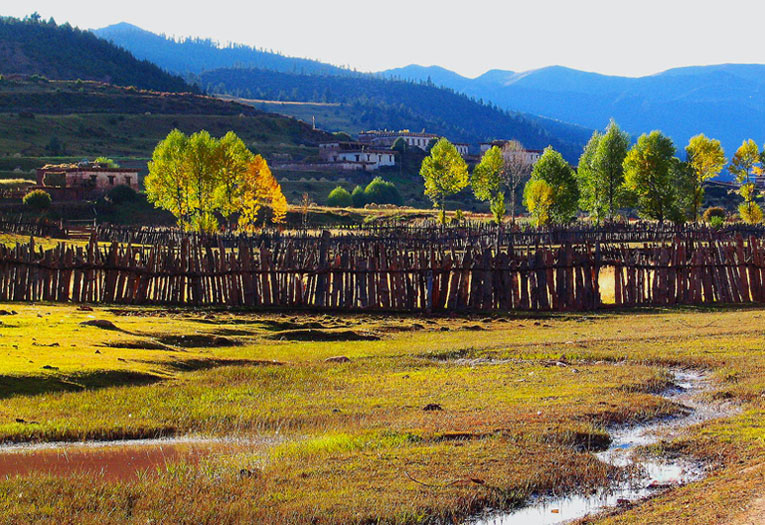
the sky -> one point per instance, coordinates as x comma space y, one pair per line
629, 38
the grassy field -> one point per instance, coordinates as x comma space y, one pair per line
522, 403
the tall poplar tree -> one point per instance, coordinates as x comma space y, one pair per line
445, 173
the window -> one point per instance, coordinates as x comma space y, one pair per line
127, 180
111, 180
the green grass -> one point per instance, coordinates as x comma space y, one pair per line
350, 442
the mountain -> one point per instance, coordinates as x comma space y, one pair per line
365, 100
196, 55
723, 101
377, 103
35, 47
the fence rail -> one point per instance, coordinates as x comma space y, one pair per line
475, 234
380, 276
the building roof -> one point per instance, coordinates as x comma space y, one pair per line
83, 166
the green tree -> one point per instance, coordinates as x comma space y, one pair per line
706, 159
380, 191
445, 173
486, 182
601, 172
400, 145
556, 172
110, 163
538, 199
358, 197
745, 166
648, 173
168, 182
231, 159
339, 198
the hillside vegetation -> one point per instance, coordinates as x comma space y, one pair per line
194, 55
35, 47
375, 103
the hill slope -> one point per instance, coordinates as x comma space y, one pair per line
197, 55
376, 103
32, 46
367, 101
724, 101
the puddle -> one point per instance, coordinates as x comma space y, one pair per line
655, 475
115, 460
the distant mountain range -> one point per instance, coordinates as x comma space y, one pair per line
366, 99
195, 55
726, 102
62, 52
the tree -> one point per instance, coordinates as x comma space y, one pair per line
486, 182
37, 200
556, 172
517, 167
339, 198
706, 159
538, 199
746, 165
256, 190
110, 163
197, 178
601, 172
592, 194
358, 197
445, 173
167, 184
380, 191
400, 145
648, 173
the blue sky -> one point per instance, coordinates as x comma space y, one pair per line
629, 38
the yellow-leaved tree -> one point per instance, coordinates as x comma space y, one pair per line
201, 178
258, 189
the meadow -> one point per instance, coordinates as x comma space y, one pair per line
361, 418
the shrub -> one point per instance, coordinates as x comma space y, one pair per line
380, 191
105, 160
121, 194
37, 200
716, 222
714, 211
358, 197
340, 198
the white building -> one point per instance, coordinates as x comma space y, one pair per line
387, 138
462, 148
355, 155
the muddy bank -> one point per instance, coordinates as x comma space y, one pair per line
116, 460
653, 475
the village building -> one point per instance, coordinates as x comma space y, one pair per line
462, 148
387, 138
86, 179
356, 156
531, 155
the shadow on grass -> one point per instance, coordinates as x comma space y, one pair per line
33, 385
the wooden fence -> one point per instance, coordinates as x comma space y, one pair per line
377, 276
458, 237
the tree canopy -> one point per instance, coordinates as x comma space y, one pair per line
559, 176
486, 182
199, 178
445, 173
706, 159
648, 173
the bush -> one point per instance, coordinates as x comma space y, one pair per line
716, 222
358, 197
121, 194
380, 191
750, 214
37, 200
339, 198
714, 211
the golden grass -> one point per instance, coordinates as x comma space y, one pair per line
522, 400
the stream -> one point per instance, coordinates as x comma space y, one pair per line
657, 475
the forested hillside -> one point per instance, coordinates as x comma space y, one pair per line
194, 55
382, 103
36, 47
